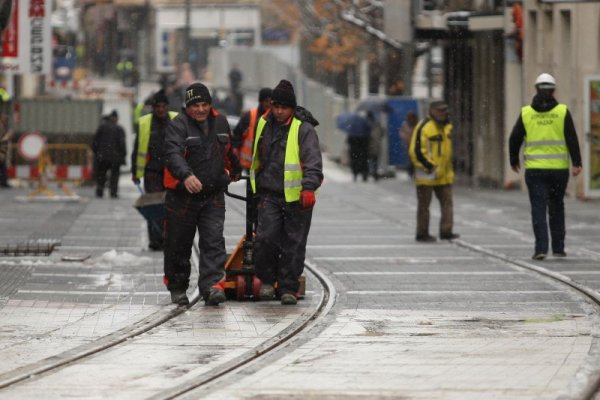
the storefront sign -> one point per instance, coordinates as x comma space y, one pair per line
26, 39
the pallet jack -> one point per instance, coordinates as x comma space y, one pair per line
241, 282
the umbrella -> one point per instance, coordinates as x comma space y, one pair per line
353, 124
374, 105
151, 205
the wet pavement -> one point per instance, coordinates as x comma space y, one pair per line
410, 320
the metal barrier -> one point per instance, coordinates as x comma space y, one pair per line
61, 163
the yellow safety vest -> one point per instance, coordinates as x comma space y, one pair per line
545, 145
144, 141
292, 170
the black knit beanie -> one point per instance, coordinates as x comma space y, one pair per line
197, 93
160, 97
264, 94
284, 94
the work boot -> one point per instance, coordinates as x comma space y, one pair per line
559, 254
449, 236
288, 299
179, 297
215, 296
425, 238
266, 292
538, 256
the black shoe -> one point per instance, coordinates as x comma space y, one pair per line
559, 254
449, 236
425, 238
215, 296
538, 256
288, 299
179, 297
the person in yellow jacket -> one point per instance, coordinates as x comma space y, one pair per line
147, 159
431, 153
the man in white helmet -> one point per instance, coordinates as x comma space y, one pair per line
550, 139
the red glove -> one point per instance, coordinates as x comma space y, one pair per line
307, 199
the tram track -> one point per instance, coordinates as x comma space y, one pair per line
46, 367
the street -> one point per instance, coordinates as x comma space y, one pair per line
468, 319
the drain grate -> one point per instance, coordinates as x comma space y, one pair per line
37, 247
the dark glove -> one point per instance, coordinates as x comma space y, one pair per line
135, 180
307, 199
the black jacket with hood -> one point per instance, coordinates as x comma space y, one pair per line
271, 154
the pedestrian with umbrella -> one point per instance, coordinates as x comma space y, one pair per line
358, 131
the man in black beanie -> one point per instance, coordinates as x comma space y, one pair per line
243, 133
199, 165
286, 170
147, 159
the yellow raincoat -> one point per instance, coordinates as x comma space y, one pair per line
431, 153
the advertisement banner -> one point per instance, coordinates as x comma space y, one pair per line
592, 144
25, 46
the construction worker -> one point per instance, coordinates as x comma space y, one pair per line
550, 138
147, 160
431, 153
286, 171
199, 165
243, 133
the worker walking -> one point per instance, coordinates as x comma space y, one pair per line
147, 161
431, 154
547, 129
199, 165
285, 173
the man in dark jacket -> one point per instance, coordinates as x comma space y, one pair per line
199, 165
147, 159
550, 139
286, 171
109, 153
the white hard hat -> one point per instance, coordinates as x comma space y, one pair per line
545, 81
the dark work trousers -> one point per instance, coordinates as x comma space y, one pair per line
444, 196
101, 168
187, 213
359, 156
153, 183
280, 245
546, 195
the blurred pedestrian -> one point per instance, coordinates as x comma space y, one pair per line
431, 153
375, 141
550, 138
6, 135
287, 169
358, 146
147, 161
406, 131
200, 164
243, 133
235, 85
109, 154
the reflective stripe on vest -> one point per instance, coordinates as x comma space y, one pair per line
545, 146
248, 141
292, 170
144, 141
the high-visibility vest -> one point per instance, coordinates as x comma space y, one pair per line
4, 96
143, 142
248, 141
545, 145
292, 170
